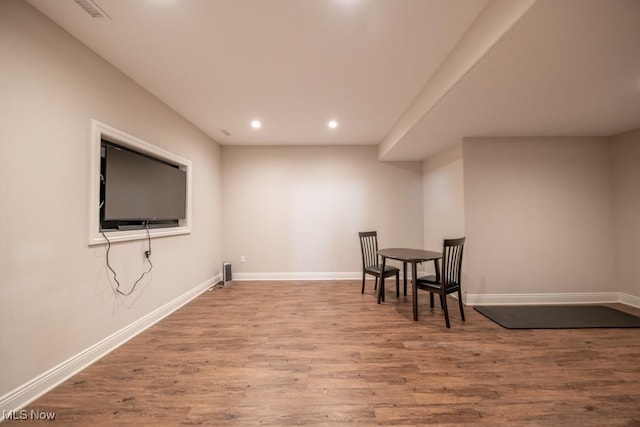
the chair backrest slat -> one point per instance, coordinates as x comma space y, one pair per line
369, 247
452, 261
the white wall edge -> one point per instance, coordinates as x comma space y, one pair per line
33, 389
349, 275
552, 298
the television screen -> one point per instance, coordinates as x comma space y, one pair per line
140, 188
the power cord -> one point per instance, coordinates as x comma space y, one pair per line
147, 254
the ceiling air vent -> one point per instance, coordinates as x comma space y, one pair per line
225, 132
91, 8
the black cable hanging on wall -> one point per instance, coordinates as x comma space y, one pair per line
147, 254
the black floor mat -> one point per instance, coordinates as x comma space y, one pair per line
558, 316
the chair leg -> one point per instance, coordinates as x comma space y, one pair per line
375, 286
460, 304
431, 298
362, 283
443, 299
398, 284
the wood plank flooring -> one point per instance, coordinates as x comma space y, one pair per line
320, 353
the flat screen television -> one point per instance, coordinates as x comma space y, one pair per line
138, 190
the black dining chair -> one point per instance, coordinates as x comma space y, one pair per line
449, 280
370, 261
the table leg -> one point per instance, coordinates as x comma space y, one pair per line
381, 286
414, 288
404, 272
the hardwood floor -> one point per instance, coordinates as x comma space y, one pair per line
320, 353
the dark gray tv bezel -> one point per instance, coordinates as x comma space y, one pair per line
113, 206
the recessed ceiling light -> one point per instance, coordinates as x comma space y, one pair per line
256, 124
332, 124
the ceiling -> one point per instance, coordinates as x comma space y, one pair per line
412, 76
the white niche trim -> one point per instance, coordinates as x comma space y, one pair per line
101, 131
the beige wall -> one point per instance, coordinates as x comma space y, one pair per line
56, 292
443, 196
539, 215
293, 210
443, 200
626, 180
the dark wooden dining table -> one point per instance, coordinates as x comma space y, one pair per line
414, 256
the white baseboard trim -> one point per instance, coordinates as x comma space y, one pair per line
551, 298
349, 275
344, 275
33, 389
632, 300
469, 299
